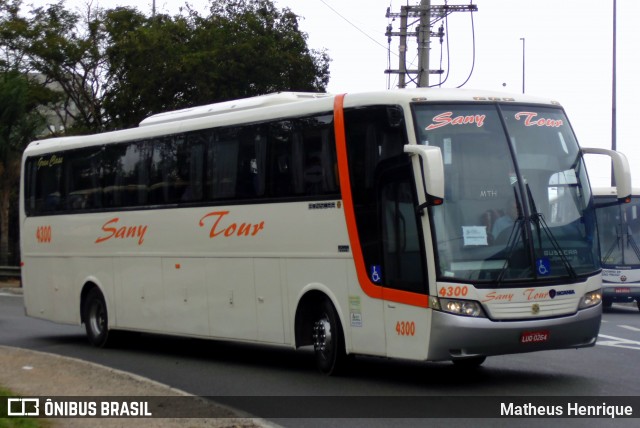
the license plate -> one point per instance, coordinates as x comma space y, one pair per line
622, 290
534, 336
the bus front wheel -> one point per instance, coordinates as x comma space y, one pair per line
96, 318
328, 340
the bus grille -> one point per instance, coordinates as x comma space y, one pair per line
532, 310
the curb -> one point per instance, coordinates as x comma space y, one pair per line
238, 417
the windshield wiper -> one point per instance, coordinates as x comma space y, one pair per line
513, 238
516, 232
538, 219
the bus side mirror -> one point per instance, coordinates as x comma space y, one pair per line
621, 171
432, 168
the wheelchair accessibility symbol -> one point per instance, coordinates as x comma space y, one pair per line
375, 274
543, 266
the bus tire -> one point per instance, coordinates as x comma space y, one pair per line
328, 340
96, 318
469, 363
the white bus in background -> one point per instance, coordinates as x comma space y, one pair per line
409, 224
619, 232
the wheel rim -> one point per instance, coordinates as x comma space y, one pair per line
323, 338
98, 318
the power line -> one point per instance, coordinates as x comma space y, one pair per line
353, 25
473, 63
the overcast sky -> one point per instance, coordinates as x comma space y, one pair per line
567, 49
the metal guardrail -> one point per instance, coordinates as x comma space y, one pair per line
10, 272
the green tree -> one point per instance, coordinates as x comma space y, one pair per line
19, 123
23, 99
65, 51
68, 51
115, 67
241, 48
146, 65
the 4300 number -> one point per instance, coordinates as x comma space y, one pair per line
43, 234
406, 328
454, 291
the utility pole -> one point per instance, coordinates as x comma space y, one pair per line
404, 16
523, 56
424, 40
614, 118
424, 15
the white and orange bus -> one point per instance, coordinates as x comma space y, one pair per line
418, 224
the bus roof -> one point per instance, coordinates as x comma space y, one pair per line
232, 106
270, 107
280, 98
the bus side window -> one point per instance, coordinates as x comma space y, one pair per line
191, 166
29, 189
47, 191
280, 177
314, 156
125, 179
223, 164
82, 173
163, 166
251, 169
302, 157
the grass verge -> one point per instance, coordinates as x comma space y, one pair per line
16, 422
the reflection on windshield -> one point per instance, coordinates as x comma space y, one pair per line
516, 197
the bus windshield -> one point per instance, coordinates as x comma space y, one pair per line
517, 202
619, 232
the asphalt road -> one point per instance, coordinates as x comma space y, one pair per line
226, 370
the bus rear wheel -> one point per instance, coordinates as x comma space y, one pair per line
96, 318
328, 340
469, 363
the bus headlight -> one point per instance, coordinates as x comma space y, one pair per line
592, 298
468, 308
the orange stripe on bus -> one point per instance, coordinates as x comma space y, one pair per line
370, 289
406, 297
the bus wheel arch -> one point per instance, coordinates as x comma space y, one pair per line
317, 323
94, 315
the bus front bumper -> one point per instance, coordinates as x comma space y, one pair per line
458, 337
620, 292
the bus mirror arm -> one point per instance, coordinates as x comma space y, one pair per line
621, 171
432, 171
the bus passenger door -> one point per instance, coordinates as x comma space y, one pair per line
403, 264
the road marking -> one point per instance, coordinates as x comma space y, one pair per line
618, 342
628, 327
